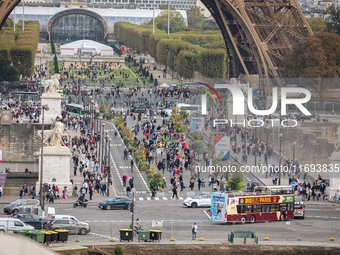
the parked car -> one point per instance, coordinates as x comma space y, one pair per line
252, 185
14, 206
138, 108
71, 225
203, 200
31, 219
10, 224
120, 202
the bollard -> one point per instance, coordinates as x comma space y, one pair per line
266, 237
172, 229
201, 229
77, 233
299, 225
111, 230
332, 238
234, 226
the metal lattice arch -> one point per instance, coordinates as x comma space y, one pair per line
259, 33
76, 11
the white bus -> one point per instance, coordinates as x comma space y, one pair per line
76, 109
191, 108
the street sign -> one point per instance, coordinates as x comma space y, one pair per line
133, 190
280, 157
105, 157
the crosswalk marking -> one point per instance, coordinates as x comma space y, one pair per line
180, 198
140, 198
156, 198
148, 198
165, 198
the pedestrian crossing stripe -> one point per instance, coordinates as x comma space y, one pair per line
157, 198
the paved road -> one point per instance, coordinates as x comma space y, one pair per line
121, 166
321, 222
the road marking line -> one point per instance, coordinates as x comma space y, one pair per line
206, 214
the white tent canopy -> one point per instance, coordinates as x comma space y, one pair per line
164, 85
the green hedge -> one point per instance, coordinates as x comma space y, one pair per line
179, 51
20, 46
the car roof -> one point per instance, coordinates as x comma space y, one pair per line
62, 215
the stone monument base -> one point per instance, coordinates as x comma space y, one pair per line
53, 101
56, 168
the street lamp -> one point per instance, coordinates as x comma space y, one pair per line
102, 148
166, 59
193, 72
294, 144
41, 197
173, 57
105, 158
280, 157
109, 170
99, 134
181, 67
267, 152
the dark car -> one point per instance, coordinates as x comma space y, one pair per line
138, 108
251, 186
31, 219
14, 206
116, 203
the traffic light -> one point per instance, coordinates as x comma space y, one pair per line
61, 92
39, 82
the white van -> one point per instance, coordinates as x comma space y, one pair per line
11, 224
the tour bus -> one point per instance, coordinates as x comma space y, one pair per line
76, 109
272, 203
191, 108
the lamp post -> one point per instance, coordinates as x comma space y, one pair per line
99, 134
109, 169
267, 154
41, 197
181, 67
193, 72
102, 148
294, 144
173, 56
92, 115
166, 60
280, 157
106, 140
255, 145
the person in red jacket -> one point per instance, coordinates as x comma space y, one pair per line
124, 180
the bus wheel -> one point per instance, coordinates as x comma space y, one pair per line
252, 219
282, 217
243, 219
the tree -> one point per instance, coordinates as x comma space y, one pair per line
8, 72
195, 16
316, 57
176, 21
318, 25
334, 25
210, 25
52, 46
56, 65
236, 181
151, 77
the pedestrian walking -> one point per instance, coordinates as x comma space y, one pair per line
0, 191
91, 191
194, 231
128, 190
124, 180
174, 191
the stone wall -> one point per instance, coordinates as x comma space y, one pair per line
17, 142
314, 141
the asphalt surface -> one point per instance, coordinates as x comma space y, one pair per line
320, 223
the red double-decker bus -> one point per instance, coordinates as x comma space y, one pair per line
266, 204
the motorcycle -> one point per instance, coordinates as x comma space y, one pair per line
79, 203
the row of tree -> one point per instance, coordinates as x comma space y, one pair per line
177, 50
19, 47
